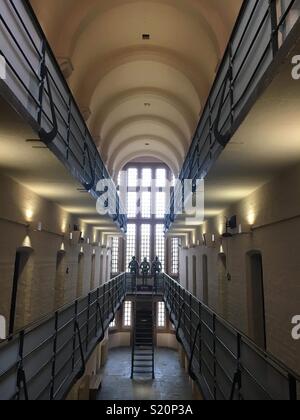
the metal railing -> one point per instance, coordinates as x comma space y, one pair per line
259, 33
223, 361
45, 360
36, 87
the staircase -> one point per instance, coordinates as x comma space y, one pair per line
143, 339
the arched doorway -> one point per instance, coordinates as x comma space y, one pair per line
21, 290
223, 285
194, 291
187, 272
60, 280
93, 272
80, 275
205, 279
256, 298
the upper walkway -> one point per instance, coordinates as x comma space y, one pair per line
262, 39
33, 84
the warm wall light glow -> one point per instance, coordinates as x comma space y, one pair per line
62, 248
221, 249
251, 217
29, 215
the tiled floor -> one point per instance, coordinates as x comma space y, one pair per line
171, 382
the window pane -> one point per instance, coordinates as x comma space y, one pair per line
113, 324
160, 244
146, 177
115, 256
132, 204
145, 241
132, 177
161, 177
161, 315
160, 210
146, 205
131, 244
127, 314
175, 256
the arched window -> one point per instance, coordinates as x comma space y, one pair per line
60, 280
80, 275
205, 279
21, 291
256, 299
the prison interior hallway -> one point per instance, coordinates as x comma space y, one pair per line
171, 381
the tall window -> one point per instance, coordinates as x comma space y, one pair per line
127, 314
132, 205
131, 243
146, 205
115, 256
160, 244
160, 202
146, 196
145, 242
161, 315
175, 256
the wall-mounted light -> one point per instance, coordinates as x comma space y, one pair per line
40, 226
29, 215
62, 248
231, 224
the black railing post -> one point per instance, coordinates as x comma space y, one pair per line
215, 355
88, 322
21, 376
53, 372
274, 24
293, 388
74, 335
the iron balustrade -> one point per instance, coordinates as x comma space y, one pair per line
257, 37
223, 361
36, 87
45, 360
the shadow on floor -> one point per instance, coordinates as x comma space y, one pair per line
171, 382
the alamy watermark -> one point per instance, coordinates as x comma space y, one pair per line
188, 198
296, 328
296, 67
2, 67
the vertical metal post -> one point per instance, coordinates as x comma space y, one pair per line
88, 322
274, 25
293, 388
215, 356
54, 357
42, 82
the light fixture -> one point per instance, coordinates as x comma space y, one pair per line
231, 224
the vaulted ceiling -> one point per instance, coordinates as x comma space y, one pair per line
140, 70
